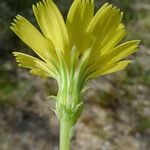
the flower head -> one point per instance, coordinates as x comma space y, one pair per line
72, 52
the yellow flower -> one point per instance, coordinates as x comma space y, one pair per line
91, 40
85, 47
73, 52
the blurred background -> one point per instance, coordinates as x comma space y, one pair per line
117, 107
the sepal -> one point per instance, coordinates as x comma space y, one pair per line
68, 113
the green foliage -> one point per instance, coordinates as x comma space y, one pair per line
145, 78
143, 124
12, 91
7, 86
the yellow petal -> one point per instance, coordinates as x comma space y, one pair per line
109, 43
111, 68
112, 40
120, 51
52, 24
33, 38
36, 65
78, 19
97, 18
106, 19
39, 72
117, 67
104, 26
112, 57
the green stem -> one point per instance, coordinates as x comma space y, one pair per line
65, 134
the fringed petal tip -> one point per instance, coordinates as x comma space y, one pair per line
32, 37
23, 60
15, 54
17, 20
37, 66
